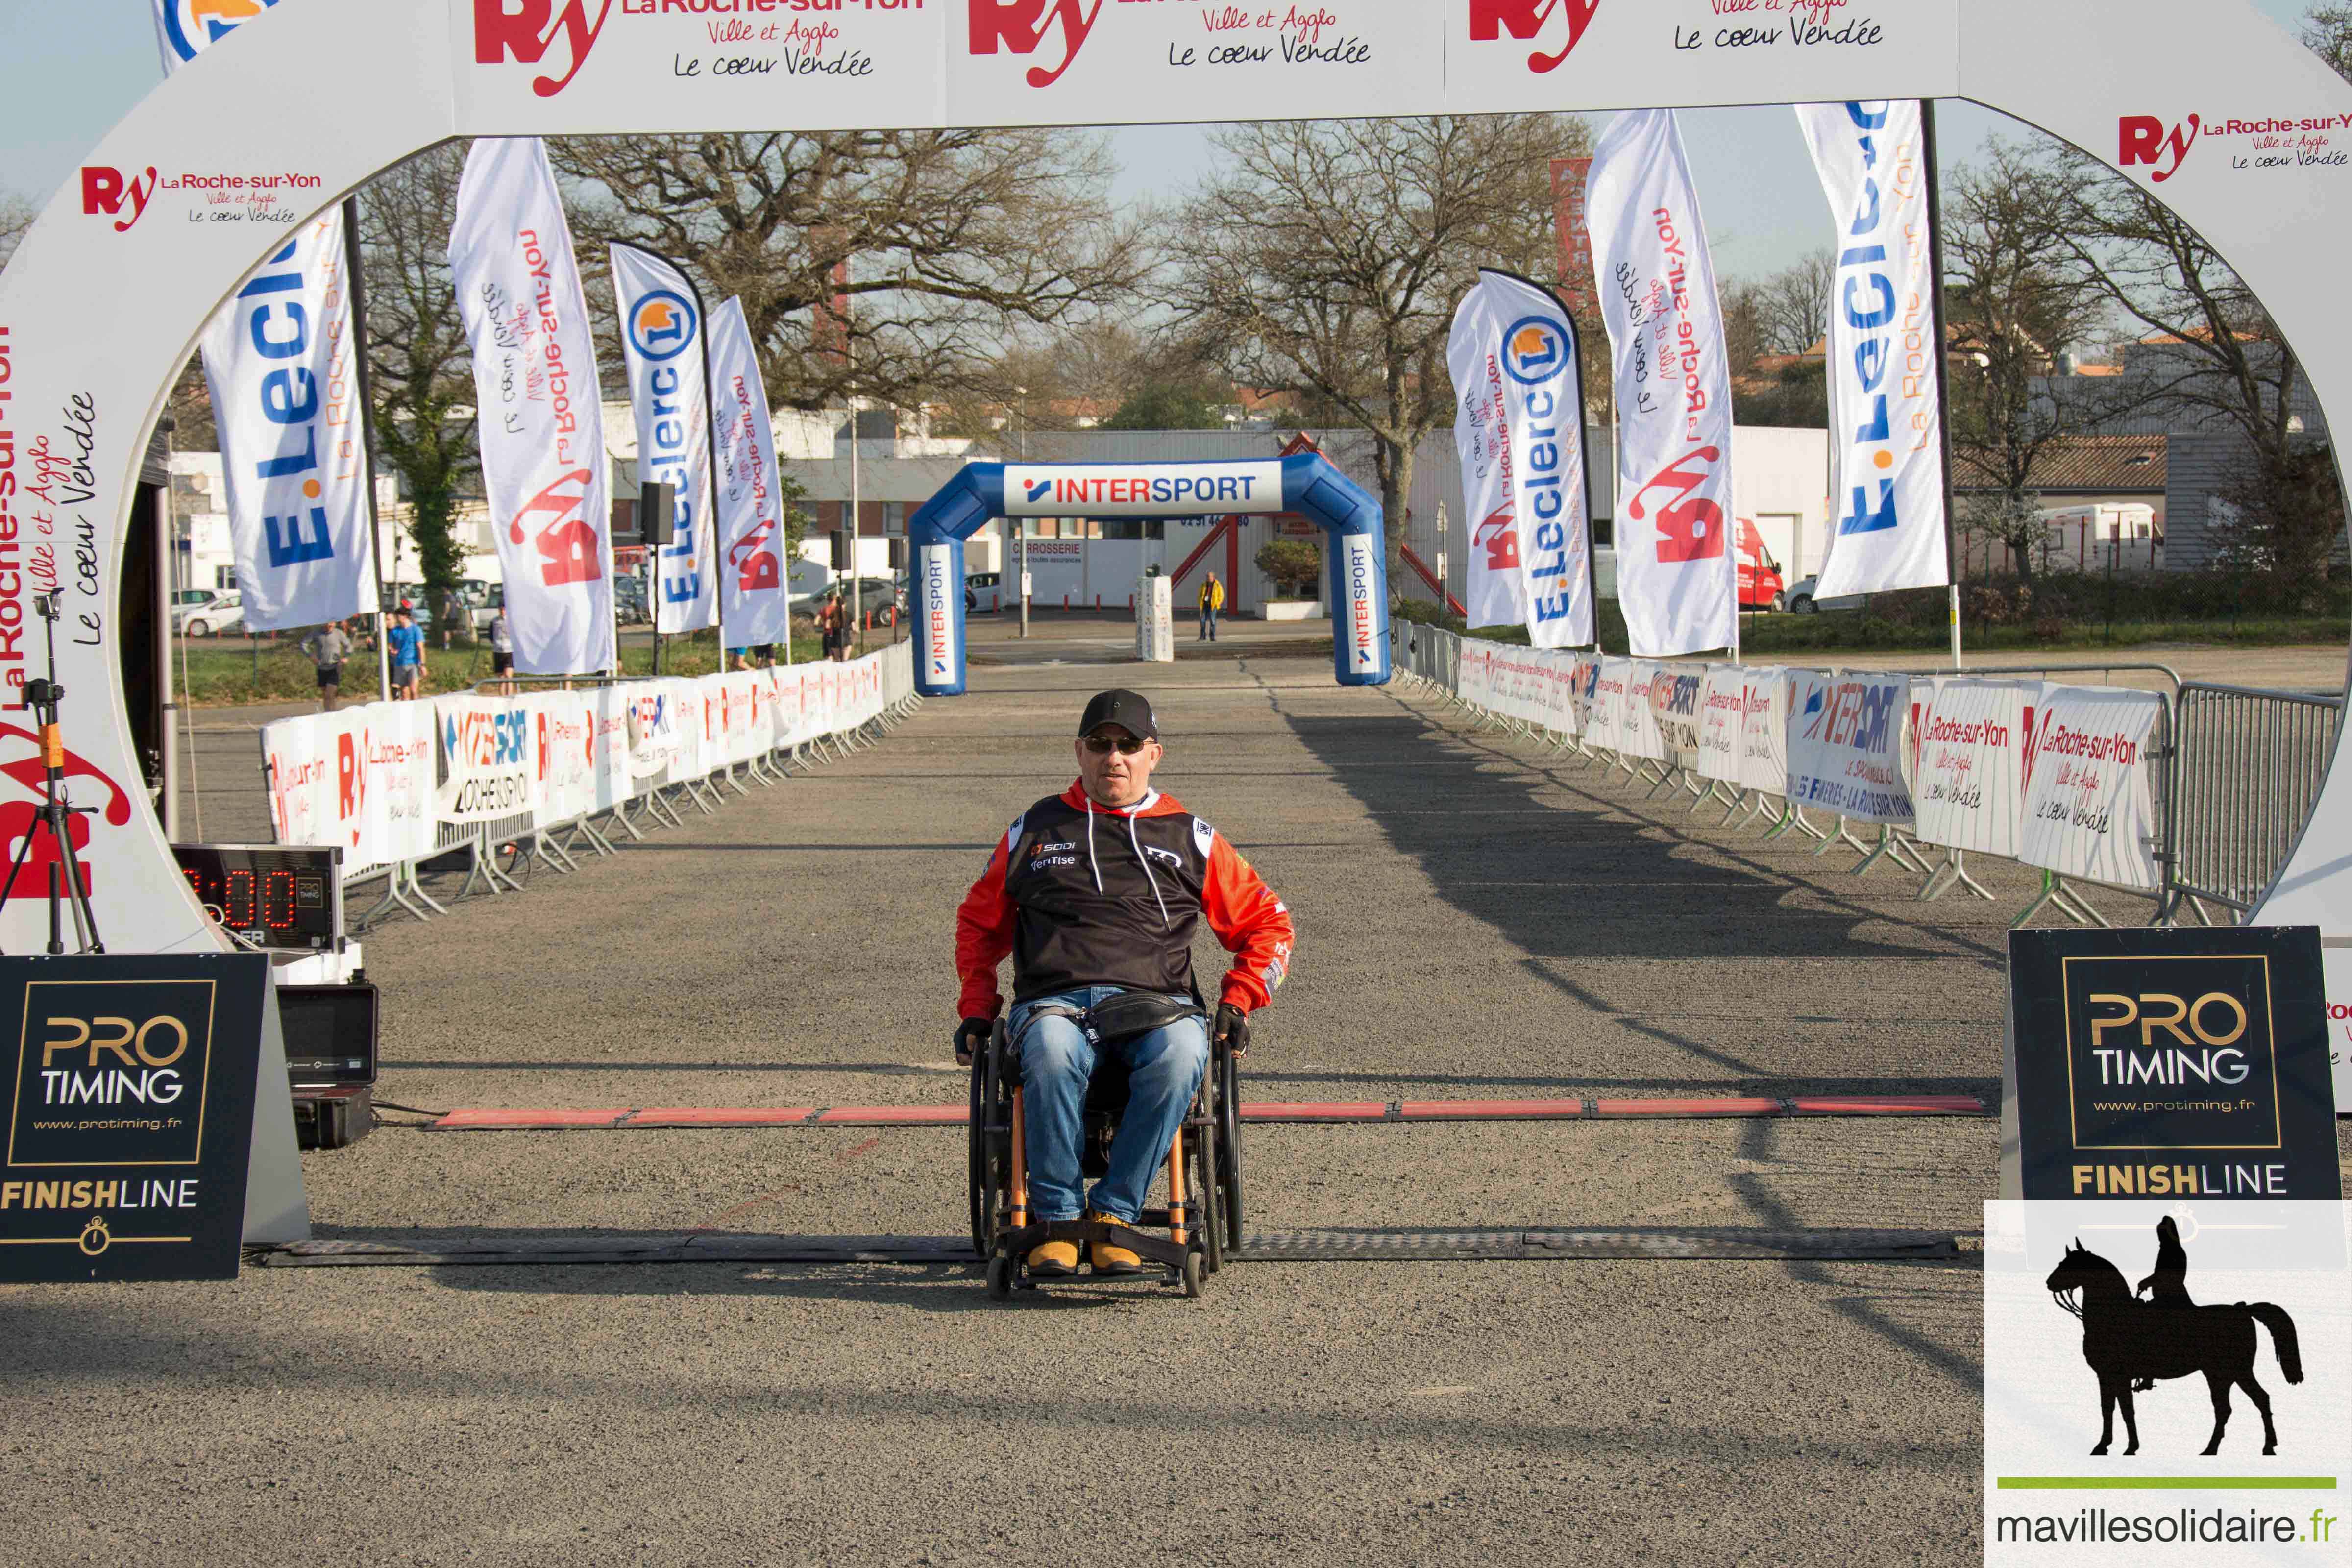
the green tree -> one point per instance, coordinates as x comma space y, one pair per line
1165, 407
1294, 565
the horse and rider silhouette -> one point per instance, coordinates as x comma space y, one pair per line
2131, 1344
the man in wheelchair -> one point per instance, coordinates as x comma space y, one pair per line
1096, 893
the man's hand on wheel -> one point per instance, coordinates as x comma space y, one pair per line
969, 1035
1232, 1029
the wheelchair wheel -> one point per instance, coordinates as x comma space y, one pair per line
990, 1142
1000, 1279
1229, 1148
1193, 1274
1206, 1210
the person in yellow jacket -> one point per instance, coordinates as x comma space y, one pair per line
1213, 599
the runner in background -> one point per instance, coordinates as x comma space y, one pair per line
502, 652
328, 647
407, 646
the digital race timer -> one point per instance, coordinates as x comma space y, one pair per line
273, 896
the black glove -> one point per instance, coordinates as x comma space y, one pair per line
970, 1037
1232, 1030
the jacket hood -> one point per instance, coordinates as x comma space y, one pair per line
1158, 803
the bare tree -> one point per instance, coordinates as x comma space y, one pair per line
16, 216
2011, 314
2328, 30
1329, 260
1792, 306
2208, 353
423, 419
940, 240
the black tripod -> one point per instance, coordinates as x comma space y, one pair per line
43, 697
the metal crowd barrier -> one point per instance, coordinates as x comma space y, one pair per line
481, 840
2237, 772
2250, 766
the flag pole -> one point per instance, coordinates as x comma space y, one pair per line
1942, 354
367, 450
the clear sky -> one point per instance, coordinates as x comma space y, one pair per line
79, 67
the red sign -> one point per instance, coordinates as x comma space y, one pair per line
1568, 181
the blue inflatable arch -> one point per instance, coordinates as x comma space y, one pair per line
1306, 484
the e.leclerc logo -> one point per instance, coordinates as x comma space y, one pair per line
1534, 352
662, 325
1533, 20
192, 26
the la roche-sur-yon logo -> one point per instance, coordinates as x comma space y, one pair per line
106, 192
2144, 141
526, 31
1020, 26
1533, 20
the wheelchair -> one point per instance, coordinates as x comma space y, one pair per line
1203, 1217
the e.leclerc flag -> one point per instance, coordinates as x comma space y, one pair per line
541, 425
1885, 399
752, 591
1519, 429
1676, 579
662, 342
278, 362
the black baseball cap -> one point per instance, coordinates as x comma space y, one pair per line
1128, 710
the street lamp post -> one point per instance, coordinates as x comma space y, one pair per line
1021, 525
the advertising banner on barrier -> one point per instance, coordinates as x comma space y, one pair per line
653, 733
1583, 679
1558, 704
1609, 683
293, 436
1845, 746
1969, 781
542, 431
1638, 718
1886, 395
689, 760
561, 732
2090, 794
1722, 707
485, 763
1764, 731
750, 508
1675, 710
360, 778
1470, 683
1675, 579
662, 344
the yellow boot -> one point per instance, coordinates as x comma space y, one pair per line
1054, 1259
1110, 1257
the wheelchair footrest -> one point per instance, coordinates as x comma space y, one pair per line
1158, 1248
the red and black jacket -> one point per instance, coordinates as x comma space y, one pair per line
1082, 894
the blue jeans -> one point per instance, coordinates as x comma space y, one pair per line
1208, 625
1164, 1068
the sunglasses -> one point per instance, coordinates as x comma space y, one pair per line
1100, 745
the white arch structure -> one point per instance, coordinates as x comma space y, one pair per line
105, 298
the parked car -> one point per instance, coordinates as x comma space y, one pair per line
221, 612
981, 591
190, 602
629, 601
1803, 602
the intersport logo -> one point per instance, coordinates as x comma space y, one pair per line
2144, 140
1526, 19
526, 31
1019, 28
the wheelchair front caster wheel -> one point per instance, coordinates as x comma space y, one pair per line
1000, 1279
1192, 1274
